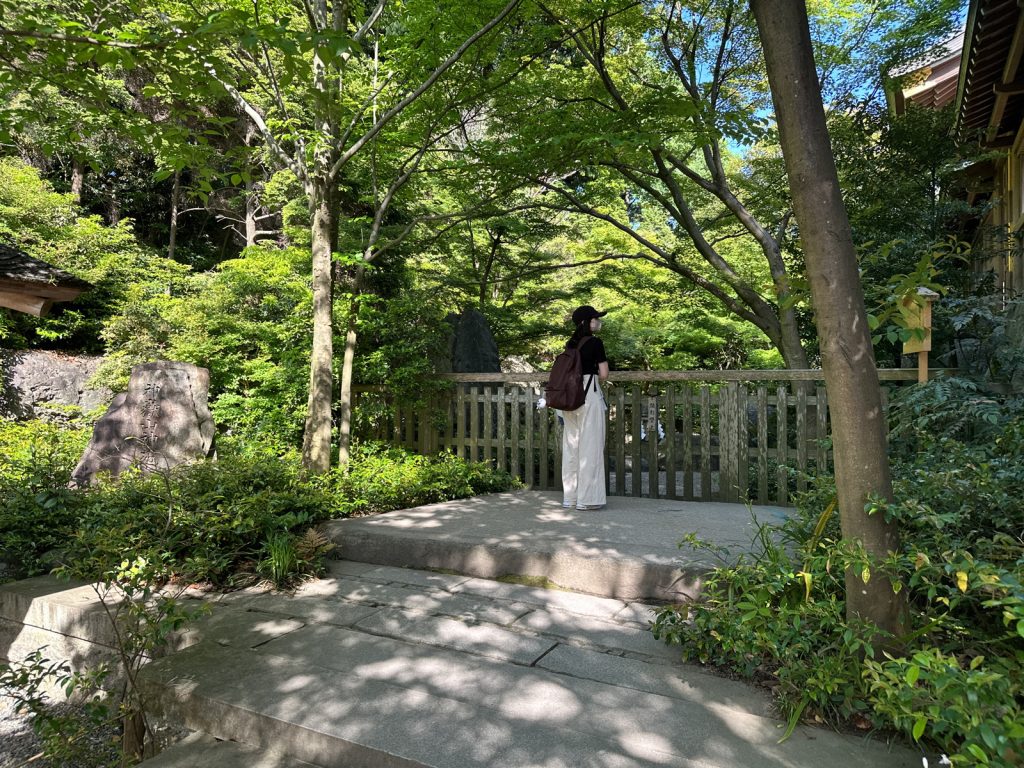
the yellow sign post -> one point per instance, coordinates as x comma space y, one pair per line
917, 311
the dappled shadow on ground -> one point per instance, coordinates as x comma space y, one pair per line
406, 684
629, 549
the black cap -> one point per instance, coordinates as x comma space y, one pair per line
585, 313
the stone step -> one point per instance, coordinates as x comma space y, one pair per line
200, 749
627, 550
339, 696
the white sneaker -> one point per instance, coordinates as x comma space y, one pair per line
589, 507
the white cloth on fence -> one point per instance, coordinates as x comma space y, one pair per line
583, 435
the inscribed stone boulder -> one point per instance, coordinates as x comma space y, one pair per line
163, 420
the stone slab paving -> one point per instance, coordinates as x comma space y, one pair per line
628, 550
380, 666
528, 677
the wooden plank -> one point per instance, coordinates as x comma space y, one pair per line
636, 480
531, 409
620, 441
762, 445
670, 441
686, 396
502, 407
782, 443
743, 444
410, 427
653, 484
726, 442
423, 435
802, 437
487, 436
474, 423
705, 443
822, 431
545, 447
515, 465
460, 424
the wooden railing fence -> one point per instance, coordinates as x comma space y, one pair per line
694, 435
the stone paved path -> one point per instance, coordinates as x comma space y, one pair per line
383, 666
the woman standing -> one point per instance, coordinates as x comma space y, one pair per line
583, 484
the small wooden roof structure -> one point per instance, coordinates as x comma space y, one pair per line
32, 286
931, 81
990, 94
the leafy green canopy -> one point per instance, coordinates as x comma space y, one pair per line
47, 225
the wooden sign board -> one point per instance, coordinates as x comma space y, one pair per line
918, 314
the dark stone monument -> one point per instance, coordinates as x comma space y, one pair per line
473, 347
163, 420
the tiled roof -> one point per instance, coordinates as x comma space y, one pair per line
18, 266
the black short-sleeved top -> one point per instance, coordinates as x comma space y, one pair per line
591, 354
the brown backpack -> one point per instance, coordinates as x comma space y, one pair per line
564, 389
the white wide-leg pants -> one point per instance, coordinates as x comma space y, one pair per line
583, 449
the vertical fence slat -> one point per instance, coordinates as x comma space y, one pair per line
530, 410
727, 439
637, 479
653, 479
743, 445
762, 445
545, 437
802, 436
410, 426
474, 423
670, 440
821, 431
514, 465
487, 435
687, 404
502, 407
782, 443
460, 421
705, 443
620, 441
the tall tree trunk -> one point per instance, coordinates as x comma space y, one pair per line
316, 444
855, 399
77, 180
345, 393
175, 198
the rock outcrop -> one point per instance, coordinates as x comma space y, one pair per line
38, 384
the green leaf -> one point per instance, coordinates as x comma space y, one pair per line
913, 672
919, 727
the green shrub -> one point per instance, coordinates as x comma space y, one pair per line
382, 478
957, 685
37, 510
248, 512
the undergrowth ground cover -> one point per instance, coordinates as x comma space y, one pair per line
955, 682
252, 513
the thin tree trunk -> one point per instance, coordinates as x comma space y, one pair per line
855, 401
348, 359
252, 208
175, 197
77, 180
316, 448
